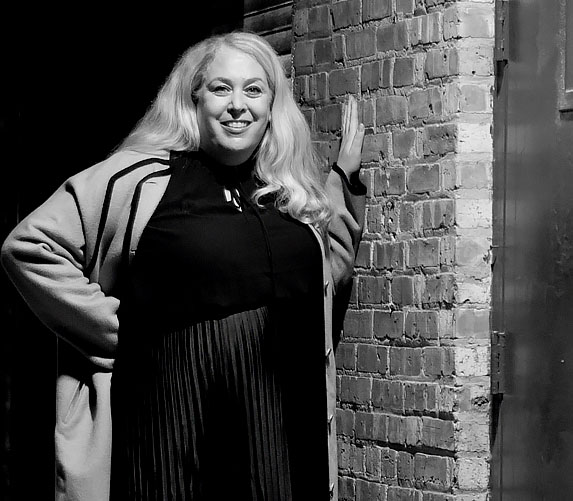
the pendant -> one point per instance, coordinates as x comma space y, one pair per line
233, 197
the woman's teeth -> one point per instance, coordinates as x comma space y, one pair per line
236, 124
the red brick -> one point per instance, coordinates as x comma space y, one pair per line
438, 213
403, 71
387, 71
405, 6
369, 491
301, 89
345, 422
389, 465
363, 255
391, 110
390, 181
360, 43
346, 356
346, 489
383, 359
423, 178
388, 395
374, 219
402, 494
358, 324
366, 112
328, 118
435, 496
390, 255
420, 397
300, 22
434, 472
318, 87
371, 76
424, 252
367, 358
344, 81
422, 324
389, 324
375, 147
392, 37
364, 422
303, 56
376, 9
425, 103
372, 463
405, 361
357, 455
356, 390
323, 51
319, 21
431, 29
396, 431
338, 47
411, 217
391, 213
440, 139
447, 251
373, 290
344, 455
440, 289
380, 427
346, 13
405, 469
309, 117
438, 434
404, 143
441, 63
438, 361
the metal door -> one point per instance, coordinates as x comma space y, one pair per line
532, 363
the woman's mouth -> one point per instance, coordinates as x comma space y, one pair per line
236, 125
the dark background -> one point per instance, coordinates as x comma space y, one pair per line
72, 87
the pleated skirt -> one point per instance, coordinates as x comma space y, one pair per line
197, 415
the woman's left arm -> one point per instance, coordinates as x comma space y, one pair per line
347, 196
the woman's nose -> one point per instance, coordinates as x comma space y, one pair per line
237, 102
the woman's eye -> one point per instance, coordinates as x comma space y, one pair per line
253, 91
220, 90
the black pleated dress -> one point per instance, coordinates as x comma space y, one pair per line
218, 389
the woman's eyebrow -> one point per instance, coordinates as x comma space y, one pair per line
229, 81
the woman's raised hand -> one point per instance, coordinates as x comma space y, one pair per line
352, 138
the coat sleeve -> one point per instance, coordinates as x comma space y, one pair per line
44, 256
344, 234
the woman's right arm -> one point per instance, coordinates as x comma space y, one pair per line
44, 256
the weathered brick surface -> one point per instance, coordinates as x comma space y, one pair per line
413, 362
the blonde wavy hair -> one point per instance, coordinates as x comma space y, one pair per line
286, 161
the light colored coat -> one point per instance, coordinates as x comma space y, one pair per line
64, 259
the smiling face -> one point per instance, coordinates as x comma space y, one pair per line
233, 106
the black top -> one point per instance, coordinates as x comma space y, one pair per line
221, 348
208, 251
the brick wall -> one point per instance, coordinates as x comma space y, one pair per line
413, 364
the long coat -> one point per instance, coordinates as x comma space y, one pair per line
65, 259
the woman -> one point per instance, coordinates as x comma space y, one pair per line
211, 226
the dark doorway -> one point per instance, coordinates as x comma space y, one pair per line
73, 85
532, 451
